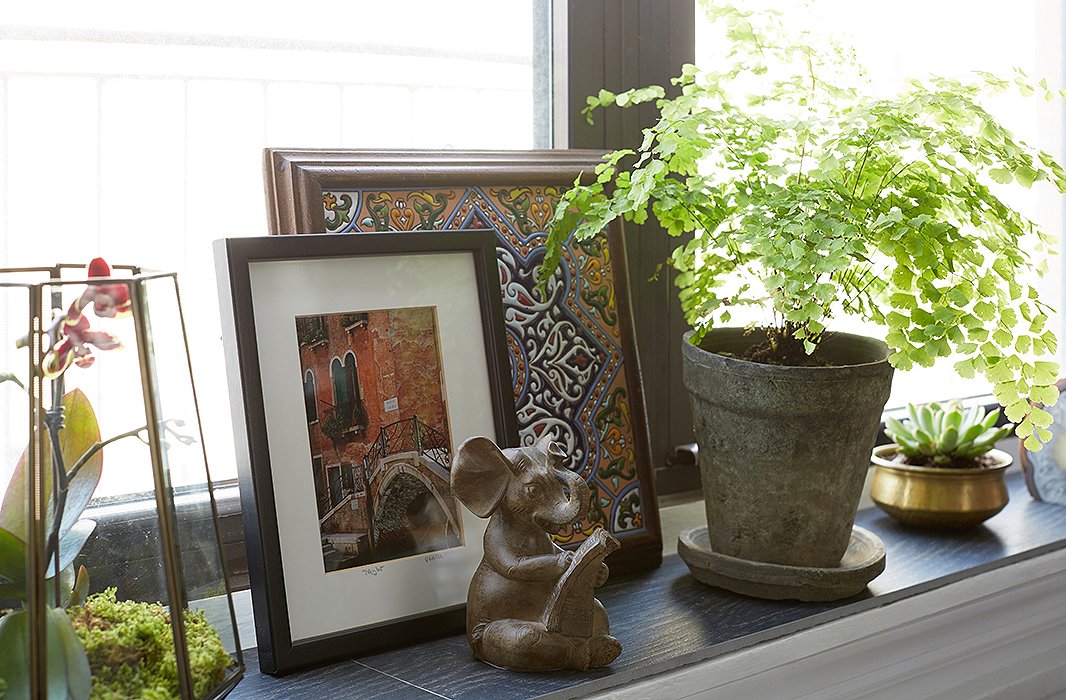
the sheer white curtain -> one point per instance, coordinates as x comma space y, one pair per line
135, 131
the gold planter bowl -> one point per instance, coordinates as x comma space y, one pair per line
934, 497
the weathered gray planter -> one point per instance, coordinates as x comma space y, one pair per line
784, 450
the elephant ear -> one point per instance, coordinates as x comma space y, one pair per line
480, 473
550, 447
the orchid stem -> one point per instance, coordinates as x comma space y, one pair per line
54, 419
52, 547
12, 378
99, 446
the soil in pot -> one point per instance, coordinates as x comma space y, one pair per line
985, 461
775, 346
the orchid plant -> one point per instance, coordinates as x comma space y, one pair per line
72, 468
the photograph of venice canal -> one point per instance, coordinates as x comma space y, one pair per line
377, 423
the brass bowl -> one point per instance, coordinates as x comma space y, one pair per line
935, 497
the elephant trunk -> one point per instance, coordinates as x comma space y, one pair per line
574, 506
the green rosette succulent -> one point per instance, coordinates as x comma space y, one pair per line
946, 434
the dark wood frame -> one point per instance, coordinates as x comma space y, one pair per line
278, 653
617, 45
296, 179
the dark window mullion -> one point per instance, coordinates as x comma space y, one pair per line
619, 44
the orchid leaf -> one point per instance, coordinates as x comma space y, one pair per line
80, 592
69, 677
61, 586
70, 544
80, 433
70, 655
14, 653
12, 565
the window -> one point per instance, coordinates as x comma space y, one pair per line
915, 38
335, 489
342, 382
159, 117
347, 478
320, 485
347, 396
310, 397
311, 330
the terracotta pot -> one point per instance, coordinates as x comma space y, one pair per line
784, 451
936, 497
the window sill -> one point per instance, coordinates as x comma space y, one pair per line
949, 610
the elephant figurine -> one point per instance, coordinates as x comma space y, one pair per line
530, 606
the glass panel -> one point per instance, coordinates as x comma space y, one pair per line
14, 437
105, 586
201, 562
123, 574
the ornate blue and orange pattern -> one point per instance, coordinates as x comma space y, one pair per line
565, 351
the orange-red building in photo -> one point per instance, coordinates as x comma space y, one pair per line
377, 422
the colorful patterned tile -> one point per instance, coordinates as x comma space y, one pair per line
565, 350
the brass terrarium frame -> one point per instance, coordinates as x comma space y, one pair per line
37, 331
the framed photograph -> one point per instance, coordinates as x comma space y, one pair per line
357, 365
572, 354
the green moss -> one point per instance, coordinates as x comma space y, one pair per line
131, 649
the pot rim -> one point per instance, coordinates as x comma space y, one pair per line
883, 453
735, 365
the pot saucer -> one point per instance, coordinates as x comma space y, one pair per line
863, 561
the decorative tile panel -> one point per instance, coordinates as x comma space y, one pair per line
565, 349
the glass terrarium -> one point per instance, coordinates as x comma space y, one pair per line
112, 577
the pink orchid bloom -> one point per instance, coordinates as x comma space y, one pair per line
109, 300
74, 339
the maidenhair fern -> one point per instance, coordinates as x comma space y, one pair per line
812, 199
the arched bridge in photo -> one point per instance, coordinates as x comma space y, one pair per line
404, 451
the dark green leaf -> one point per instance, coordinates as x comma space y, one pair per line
12, 565
68, 674
68, 653
14, 653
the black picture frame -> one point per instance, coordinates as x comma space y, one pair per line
278, 652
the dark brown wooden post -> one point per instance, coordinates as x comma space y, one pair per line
619, 44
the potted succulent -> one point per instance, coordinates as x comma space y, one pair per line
798, 198
942, 470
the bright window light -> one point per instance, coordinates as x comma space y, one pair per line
136, 131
